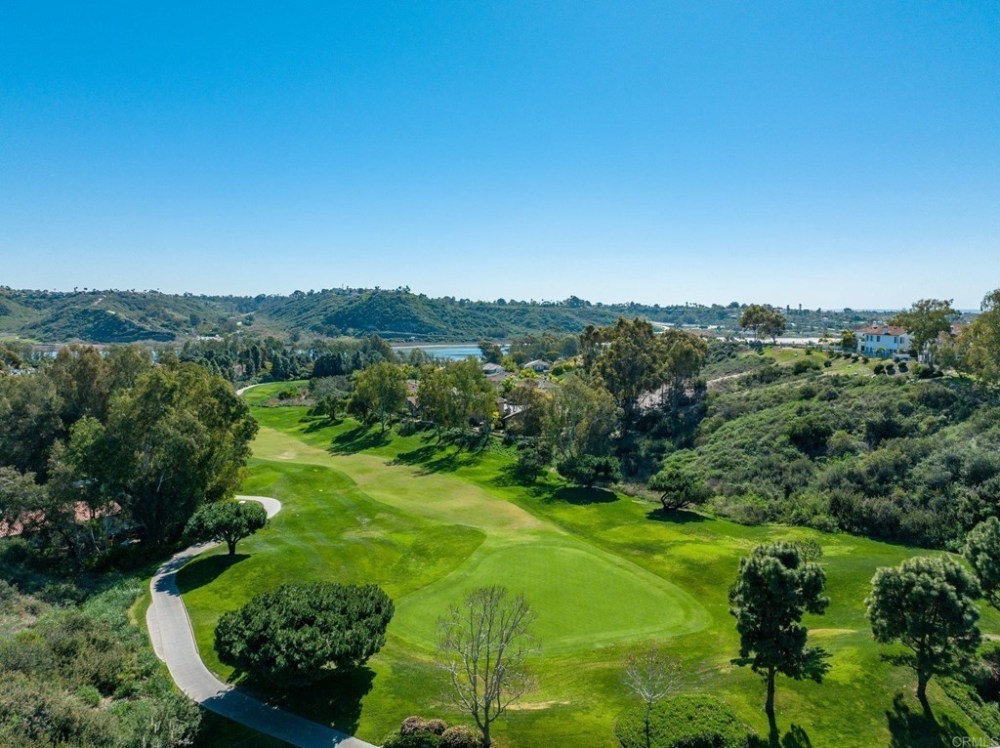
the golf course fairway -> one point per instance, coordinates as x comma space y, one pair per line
604, 574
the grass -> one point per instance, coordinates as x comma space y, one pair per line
604, 572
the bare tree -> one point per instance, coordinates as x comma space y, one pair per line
651, 674
484, 643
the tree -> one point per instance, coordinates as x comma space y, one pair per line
590, 470
30, 422
848, 341
927, 604
650, 675
492, 353
581, 419
678, 487
774, 588
628, 364
227, 520
982, 551
179, 438
763, 321
979, 343
379, 391
483, 646
925, 321
297, 634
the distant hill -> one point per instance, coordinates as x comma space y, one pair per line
131, 316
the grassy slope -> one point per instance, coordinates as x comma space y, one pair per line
601, 570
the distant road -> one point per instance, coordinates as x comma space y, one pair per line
173, 641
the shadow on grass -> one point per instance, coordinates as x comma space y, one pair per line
796, 737
358, 439
579, 495
440, 456
674, 516
916, 729
318, 423
334, 701
202, 571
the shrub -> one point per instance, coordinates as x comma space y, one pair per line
878, 369
413, 740
588, 470
459, 736
827, 364
685, 721
803, 365
299, 633
413, 725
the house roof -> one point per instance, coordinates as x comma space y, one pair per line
881, 329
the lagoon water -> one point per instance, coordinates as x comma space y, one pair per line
450, 352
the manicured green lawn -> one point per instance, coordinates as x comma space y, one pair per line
604, 572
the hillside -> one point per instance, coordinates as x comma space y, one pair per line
129, 316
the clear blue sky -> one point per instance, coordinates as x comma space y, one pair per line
833, 154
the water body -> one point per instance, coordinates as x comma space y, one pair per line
449, 352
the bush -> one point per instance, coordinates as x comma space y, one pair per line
299, 633
803, 365
459, 736
878, 369
685, 721
827, 364
588, 471
412, 740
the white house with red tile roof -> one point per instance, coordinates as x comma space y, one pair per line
883, 341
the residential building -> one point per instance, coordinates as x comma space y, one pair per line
884, 341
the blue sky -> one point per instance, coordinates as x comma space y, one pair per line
831, 154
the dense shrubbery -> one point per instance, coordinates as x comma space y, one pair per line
684, 721
886, 457
83, 675
300, 633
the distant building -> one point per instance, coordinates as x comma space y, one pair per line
884, 341
538, 365
493, 369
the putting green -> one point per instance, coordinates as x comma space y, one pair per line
583, 598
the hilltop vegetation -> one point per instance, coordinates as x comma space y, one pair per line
113, 316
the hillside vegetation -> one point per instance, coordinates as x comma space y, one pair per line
128, 316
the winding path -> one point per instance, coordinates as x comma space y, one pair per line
173, 641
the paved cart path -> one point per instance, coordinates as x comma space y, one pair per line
174, 643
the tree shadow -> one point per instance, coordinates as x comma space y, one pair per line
580, 495
318, 423
674, 516
205, 570
335, 700
916, 729
357, 440
437, 458
796, 737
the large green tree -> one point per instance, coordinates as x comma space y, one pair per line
229, 521
763, 321
30, 422
453, 395
927, 604
297, 634
926, 320
775, 586
581, 419
178, 438
982, 551
979, 342
379, 391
